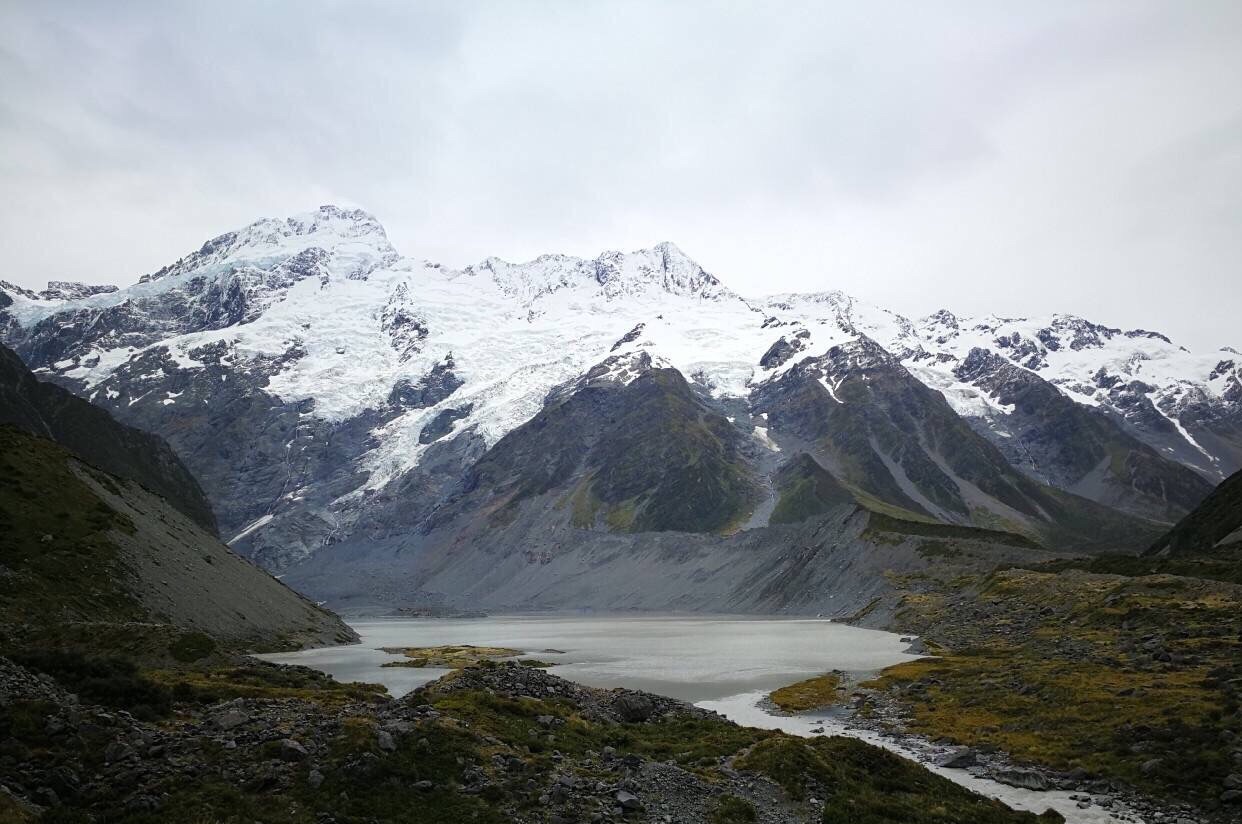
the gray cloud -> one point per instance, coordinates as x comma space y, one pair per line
1009, 157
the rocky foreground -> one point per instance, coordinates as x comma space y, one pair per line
243, 742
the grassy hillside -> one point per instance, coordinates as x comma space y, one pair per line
806, 489
88, 431
1132, 679
647, 456
94, 561
63, 563
1214, 520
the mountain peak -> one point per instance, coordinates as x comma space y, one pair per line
334, 219
942, 317
660, 269
663, 266
862, 353
831, 297
352, 235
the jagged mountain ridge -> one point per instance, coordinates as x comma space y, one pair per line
309, 374
866, 419
1184, 406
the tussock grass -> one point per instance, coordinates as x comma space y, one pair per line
820, 691
861, 784
1133, 679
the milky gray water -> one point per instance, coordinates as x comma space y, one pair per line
727, 664
691, 658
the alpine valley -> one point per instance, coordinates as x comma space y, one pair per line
1053, 507
624, 431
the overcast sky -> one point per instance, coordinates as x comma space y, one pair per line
1007, 157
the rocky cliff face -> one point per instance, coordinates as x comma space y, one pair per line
328, 391
629, 447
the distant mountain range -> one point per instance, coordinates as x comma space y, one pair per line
338, 401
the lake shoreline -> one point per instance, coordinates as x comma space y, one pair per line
611, 670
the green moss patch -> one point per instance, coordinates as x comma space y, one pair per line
806, 489
249, 678
689, 741
192, 646
1222, 565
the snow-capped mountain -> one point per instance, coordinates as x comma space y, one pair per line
1183, 404
323, 387
1187, 406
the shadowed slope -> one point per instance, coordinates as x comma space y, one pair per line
89, 432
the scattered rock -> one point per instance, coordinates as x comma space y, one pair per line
957, 758
1024, 779
231, 718
634, 707
291, 750
116, 751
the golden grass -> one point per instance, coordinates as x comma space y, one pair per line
1080, 686
1048, 711
810, 694
450, 657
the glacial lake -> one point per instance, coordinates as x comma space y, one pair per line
691, 658
724, 663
